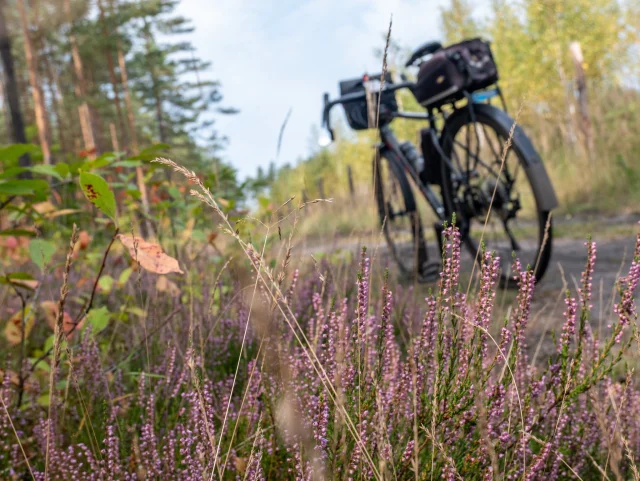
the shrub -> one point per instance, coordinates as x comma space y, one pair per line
315, 384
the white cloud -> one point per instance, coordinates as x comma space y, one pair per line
274, 56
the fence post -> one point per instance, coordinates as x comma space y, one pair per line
321, 188
583, 104
352, 190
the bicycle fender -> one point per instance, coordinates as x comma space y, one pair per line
532, 162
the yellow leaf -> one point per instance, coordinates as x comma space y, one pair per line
166, 285
241, 464
13, 329
60, 212
28, 283
50, 311
45, 207
150, 256
188, 230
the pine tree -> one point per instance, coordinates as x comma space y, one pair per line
167, 78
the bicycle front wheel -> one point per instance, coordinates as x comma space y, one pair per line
500, 188
399, 217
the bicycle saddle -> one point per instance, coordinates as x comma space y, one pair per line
426, 49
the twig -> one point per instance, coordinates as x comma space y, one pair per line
7, 202
58, 338
84, 311
22, 377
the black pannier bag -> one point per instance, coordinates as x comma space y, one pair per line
357, 113
449, 73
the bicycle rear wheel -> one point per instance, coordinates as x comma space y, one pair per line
503, 195
399, 217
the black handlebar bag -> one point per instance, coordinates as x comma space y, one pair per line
357, 112
449, 73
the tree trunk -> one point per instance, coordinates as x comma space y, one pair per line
57, 101
36, 87
112, 74
144, 198
94, 115
11, 88
159, 114
80, 87
5, 112
127, 100
154, 87
114, 138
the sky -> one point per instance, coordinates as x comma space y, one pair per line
272, 56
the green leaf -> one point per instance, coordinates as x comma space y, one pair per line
97, 191
17, 233
14, 151
198, 235
106, 283
151, 152
100, 161
46, 170
136, 311
62, 169
263, 201
48, 344
127, 163
41, 252
157, 147
22, 276
124, 277
85, 166
23, 187
98, 318
12, 172
174, 192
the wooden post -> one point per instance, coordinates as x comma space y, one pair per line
352, 190
583, 104
320, 182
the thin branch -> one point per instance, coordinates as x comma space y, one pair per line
84, 311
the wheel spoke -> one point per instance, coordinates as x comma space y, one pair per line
477, 159
492, 191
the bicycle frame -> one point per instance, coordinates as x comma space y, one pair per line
390, 146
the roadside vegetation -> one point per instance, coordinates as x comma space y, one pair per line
163, 320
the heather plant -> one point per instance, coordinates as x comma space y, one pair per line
262, 371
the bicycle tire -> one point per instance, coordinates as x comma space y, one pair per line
418, 244
528, 158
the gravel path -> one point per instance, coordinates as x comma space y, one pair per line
614, 254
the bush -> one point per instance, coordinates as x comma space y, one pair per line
310, 382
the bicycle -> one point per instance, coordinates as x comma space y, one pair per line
456, 86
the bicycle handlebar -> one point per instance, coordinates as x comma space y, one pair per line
354, 97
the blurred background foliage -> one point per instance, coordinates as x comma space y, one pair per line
531, 41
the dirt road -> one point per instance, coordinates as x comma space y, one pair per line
615, 238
